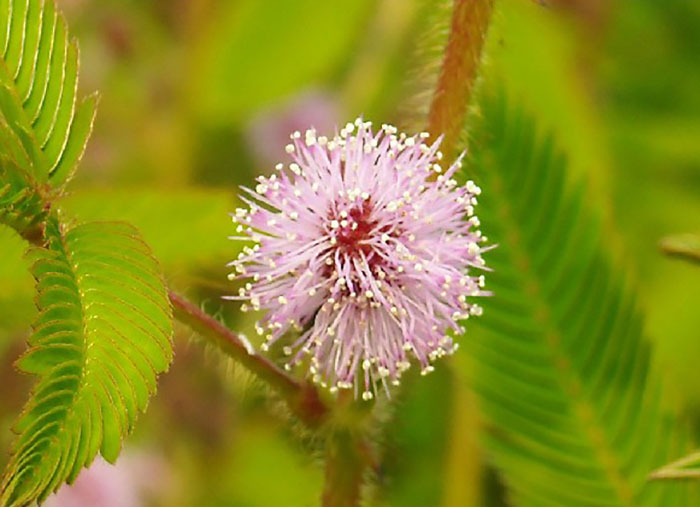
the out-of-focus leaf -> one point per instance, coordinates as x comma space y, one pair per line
465, 477
246, 465
560, 362
186, 228
381, 67
102, 336
534, 56
16, 288
648, 100
256, 52
418, 441
419, 73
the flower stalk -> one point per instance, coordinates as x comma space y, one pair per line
347, 459
302, 397
470, 22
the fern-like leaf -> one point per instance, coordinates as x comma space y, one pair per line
102, 336
560, 363
38, 89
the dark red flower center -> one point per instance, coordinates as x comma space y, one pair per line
352, 239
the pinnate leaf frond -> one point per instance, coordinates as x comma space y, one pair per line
39, 89
561, 365
102, 336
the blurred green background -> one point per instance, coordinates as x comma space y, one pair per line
198, 96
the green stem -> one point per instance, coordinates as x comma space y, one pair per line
470, 21
302, 397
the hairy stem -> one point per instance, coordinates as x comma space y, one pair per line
347, 458
470, 21
302, 397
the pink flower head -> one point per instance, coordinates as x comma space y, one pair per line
363, 245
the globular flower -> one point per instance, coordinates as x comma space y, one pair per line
364, 255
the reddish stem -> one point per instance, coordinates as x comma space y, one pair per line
302, 397
470, 21
347, 460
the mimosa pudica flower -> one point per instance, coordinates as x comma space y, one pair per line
365, 253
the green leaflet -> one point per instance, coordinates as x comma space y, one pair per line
560, 363
38, 90
102, 336
231, 47
417, 441
687, 467
16, 298
684, 246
